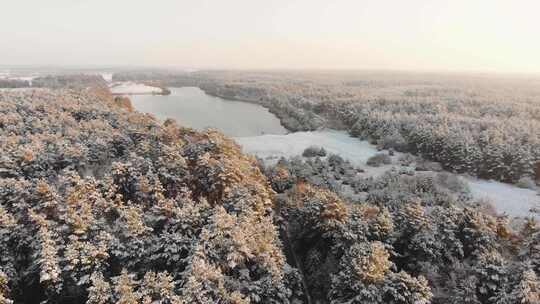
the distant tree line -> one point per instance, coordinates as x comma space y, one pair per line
489, 132
100, 204
74, 81
13, 83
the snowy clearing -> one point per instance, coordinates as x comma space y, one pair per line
505, 198
272, 147
130, 88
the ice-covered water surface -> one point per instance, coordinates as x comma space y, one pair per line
191, 107
506, 198
129, 88
272, 147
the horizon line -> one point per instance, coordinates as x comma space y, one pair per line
269, 69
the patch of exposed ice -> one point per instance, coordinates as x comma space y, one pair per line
272, 147
131, 88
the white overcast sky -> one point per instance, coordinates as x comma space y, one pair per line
473, 35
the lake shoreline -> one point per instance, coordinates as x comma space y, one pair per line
287, 121
128, 88
275, 146
200, 110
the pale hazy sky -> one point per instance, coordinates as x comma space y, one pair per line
474, 35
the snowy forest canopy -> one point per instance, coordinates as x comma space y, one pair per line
487, 126
100, 204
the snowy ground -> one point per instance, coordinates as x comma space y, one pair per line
107, 76
505, 198
272, 147
132, 88
7, 75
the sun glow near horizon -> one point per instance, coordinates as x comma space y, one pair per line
498, 36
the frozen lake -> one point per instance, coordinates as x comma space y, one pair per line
260, 133
505, 198
131, 88
272, 147
191, 107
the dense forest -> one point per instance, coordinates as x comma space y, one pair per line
71, 81
100, 204
13, 83
484, 126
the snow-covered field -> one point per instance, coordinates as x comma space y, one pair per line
505, 198
272, 147
131, 88
107, 76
